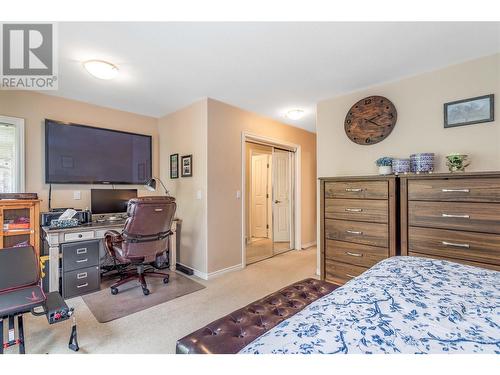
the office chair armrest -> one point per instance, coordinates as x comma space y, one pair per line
112, 238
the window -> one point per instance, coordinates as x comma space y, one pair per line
11, 155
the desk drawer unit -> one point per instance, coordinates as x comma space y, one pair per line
452, 216
82, 281
358, 224
81, 273
80, 255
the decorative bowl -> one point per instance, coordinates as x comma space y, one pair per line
422, 162
401, 166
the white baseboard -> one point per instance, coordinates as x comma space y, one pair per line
211, 275
308, 245
237, 267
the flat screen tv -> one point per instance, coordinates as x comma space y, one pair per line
81, 154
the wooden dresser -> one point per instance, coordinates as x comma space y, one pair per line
452, 216
358, 224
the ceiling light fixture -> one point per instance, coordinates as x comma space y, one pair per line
295, 114
101, 69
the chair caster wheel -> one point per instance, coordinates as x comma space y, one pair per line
114, 291
166, 279
145, 291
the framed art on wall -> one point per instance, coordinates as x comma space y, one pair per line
469, 111
174, 166
187, 166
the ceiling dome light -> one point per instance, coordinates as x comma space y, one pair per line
101, 69
295, 114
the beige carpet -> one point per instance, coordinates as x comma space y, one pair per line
107, 307
156, 329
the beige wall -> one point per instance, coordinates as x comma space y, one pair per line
419, 101
34, 108
225, 126
185, 132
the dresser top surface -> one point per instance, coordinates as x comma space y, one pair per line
486, 174
358, 178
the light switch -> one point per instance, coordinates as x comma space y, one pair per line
238, 194
198, 195
77, 195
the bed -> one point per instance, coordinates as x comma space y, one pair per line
407, 305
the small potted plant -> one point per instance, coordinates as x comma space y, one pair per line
384, 165
457, 162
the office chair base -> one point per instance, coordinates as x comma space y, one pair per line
141, 277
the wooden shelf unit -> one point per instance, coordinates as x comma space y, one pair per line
12, 209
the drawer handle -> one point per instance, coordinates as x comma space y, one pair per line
457, 216
464, 245
353, 190
82, 285
354, 210
349, 275
81, 251
354, 254
354, 232
455, 190
82, 275
82, 260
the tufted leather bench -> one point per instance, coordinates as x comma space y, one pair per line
233, 332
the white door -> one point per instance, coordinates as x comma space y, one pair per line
259, 196
281, 196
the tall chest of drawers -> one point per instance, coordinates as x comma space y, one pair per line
358, 224
452, 216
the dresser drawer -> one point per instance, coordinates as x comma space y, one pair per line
78, 236
357, 209
457, 190
80, 255
357, 189
468, 262
476, 247
351, 253
340, 273
76, 283
474, 217
373, 234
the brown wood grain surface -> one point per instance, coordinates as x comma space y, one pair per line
475, 217
455, 189
370, 120
357, 189
373, 234
353, 253
357, 209
340, 273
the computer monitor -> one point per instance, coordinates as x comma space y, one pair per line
110, 201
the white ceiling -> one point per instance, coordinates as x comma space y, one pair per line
267, 68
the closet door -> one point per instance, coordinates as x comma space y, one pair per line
282, 200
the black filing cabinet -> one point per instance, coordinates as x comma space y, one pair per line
80, 268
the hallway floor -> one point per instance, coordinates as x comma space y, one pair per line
157, 329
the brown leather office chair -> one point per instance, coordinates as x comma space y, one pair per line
145, 236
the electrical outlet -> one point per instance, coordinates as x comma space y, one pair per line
238, 194
198, 195
77, 195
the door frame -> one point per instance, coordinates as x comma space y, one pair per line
268, 141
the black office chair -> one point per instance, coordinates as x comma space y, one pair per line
144, 238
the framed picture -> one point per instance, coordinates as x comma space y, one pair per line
187, 166
174, 166
469, 111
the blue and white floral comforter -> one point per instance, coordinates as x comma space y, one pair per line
401, 305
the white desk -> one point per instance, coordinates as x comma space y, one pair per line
56, 237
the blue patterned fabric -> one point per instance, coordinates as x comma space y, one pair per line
401, 305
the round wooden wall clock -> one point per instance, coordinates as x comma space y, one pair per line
370, 120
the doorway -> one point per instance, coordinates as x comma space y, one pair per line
269, 201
